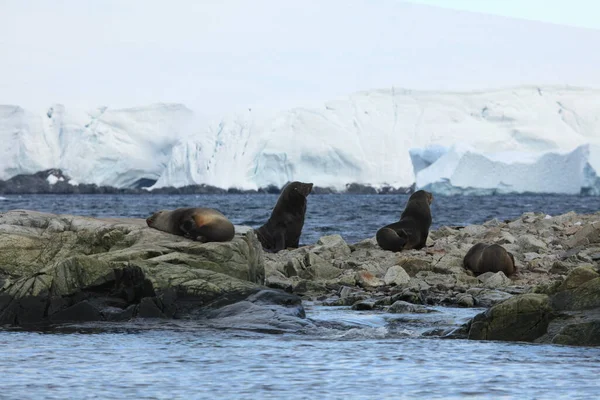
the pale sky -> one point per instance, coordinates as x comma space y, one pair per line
581, 13
220, 56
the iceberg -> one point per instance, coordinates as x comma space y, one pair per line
462, 170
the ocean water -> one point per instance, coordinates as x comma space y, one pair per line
355, 217
348, 355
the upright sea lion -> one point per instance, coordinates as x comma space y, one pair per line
284, 227
484, 257
412, 229
201, 224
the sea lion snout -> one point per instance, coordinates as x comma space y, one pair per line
305, 188
429, 197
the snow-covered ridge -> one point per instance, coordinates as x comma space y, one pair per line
103, 146
524, 139
509, 140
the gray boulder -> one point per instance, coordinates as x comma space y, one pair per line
60, 268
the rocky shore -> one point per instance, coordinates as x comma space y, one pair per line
62, 268
54, 181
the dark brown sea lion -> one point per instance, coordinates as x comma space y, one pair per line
412, 229
284, 227
201, 224
484, 257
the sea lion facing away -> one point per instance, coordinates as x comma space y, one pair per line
284, 227
484, 257
201, 224
412, 229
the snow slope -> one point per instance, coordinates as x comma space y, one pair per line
534, 139
509, 140
104, 146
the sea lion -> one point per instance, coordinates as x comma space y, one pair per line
284, 227
483, 257
200, 224
412, 229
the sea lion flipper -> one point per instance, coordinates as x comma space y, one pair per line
187, 226
201, 239
411, 231
279, 241
389, 239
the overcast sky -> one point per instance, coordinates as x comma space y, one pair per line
218, 56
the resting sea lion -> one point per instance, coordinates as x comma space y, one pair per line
484, 257
412, 229
201, 224
284, 227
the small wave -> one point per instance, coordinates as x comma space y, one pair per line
359, 333
3, 198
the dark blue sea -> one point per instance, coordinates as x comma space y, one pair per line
375, 356
355, 217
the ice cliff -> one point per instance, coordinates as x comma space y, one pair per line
106, 147
524, 139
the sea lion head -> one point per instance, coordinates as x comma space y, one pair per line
422, 195
151, 220
298, 188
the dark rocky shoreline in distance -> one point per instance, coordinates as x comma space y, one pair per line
38, 184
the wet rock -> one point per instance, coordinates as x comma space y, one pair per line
492, 222
588, 234
578, 277
396, 275
149, 309
319, 268
439, 281
277, 280
413, 265
367, 280
529, 243
584, 297
264, 311
79, 312
332, 246
403, 307
521, 318
548, 288
488, 297
451, 263
407, 295
474, 230
370, 243
505, 238
363, 305
576, 332
465, 300
73, 268
494, 280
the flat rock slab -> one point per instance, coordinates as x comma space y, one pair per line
57, 268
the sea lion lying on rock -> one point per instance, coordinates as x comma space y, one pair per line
200, 224
284, 227
412, 229
483, 257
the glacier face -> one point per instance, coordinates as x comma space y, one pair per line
104, 146
524, 139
